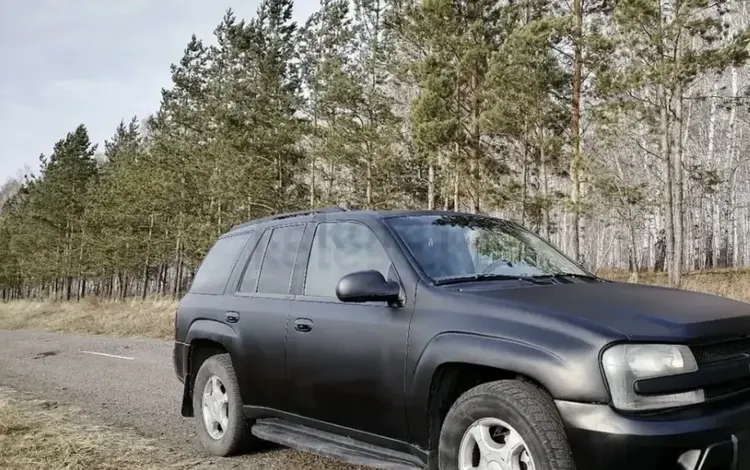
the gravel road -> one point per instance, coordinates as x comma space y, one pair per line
138, 389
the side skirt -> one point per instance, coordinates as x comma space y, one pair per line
334, 442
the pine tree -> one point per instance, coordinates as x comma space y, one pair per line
327, 43
525, 87
124, 143
272, 49
582, 28
373, 127
459, 40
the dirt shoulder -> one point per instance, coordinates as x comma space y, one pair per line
43, 434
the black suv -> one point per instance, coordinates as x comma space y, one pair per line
445, 340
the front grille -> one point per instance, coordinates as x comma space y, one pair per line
714, 354
727, 389
721, 352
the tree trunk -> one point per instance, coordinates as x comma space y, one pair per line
69, 288
163, 279
636, 264
731, 155
120, 284
476, 143
524, 183
431, 187
711, 155
368, 189
331, 179
125, 284
545, 188
179, 276
575, 130
312, 152
666, 155
678, 213
148, 257
456, 195
177, 257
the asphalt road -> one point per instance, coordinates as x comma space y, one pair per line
138, 389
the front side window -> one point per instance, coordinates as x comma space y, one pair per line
456, 246
278, 262
214, 271
339, 249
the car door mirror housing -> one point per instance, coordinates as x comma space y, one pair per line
367, 286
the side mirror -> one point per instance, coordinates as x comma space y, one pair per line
367, 286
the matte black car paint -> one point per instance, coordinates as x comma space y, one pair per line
367, 369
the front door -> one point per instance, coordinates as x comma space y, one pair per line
345, 361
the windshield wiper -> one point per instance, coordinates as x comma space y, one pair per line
481, 277
505, 277
565, 276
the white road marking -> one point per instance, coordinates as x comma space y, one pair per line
108, 355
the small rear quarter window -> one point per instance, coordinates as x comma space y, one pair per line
214, 271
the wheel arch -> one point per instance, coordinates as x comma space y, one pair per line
512, 404
205, 338
452, 363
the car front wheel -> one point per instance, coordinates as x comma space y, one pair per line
504, 425
220, 423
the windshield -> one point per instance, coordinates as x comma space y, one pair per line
455, 246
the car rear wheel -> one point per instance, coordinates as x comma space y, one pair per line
505, 425
220, 423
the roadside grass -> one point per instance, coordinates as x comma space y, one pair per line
38, 434
151, 318
730, 283
154, 318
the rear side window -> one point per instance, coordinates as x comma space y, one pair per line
216, 267
278, 263
250, 278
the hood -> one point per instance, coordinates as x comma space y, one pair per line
637, 311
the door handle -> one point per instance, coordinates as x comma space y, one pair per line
233, 317
303, 325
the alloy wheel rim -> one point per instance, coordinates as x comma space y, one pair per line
215, 408
492, 444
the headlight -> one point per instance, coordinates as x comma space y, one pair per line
624, 364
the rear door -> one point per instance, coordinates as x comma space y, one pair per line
204, 300
261, 302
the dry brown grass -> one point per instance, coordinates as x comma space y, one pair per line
150, 318
36, 434
730, 283
154, 318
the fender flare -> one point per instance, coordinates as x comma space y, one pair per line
215, 331
210, 330
538, 364
560, 377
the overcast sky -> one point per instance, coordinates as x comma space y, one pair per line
66, 62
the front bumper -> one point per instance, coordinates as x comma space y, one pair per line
712, 437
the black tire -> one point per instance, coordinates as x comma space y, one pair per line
237, 436
523, 406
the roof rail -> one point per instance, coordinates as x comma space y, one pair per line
286, 215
